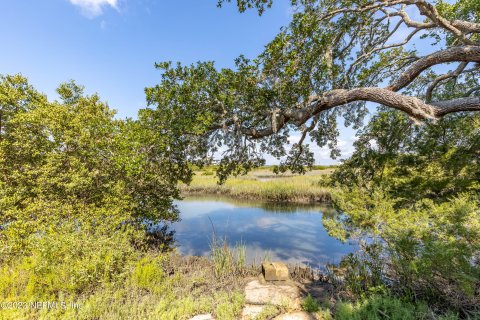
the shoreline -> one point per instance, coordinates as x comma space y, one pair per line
302, 200
263, 186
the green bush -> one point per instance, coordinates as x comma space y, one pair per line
229, 306
71, 161
67, 264
309, 304
426, 251
148, 274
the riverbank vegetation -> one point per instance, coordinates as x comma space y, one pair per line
108, 279
414, 192
263, 184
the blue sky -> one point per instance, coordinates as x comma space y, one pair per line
111, 49
110, 46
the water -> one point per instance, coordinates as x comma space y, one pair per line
288, 233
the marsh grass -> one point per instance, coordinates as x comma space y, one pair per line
264, 185
226, 260
231, 261
383, 307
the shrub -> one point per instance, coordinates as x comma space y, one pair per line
426, 252
309, 304
67, 264
148, 274
229, 305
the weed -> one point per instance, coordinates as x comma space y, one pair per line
310, 304
226, 260
380, 307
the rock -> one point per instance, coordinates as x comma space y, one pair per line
250, 312
203, 317
281, 295
300, 315
275, 271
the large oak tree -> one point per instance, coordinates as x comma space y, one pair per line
333, 58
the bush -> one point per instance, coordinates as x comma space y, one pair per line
309, 304
67, 264
428, 252
148, 274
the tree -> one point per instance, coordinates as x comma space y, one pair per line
69, 167
333, 58
410, 162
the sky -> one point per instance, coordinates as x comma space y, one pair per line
110, 46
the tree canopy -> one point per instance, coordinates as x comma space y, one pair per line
70, 164
415, 162
333, 58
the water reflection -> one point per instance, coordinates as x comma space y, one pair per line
289, 233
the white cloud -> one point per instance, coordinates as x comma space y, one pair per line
93, 8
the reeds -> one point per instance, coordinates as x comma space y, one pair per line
227, 260
263, 186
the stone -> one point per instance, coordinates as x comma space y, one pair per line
203, 317
280, 295
268, 270
250, 312
299, 315
275, 271
281, 271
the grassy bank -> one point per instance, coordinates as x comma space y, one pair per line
263, 184
108, 280
129, 284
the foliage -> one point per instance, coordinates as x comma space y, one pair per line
331, 58
362, 271
409, 162
66, 266
380, 307
260, 5
309, 304
107, 279
429, 252
71, 162
414, 189
148, 274
82, 194
83, 198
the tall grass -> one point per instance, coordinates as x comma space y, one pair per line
262, 185
226, 260
106, 278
